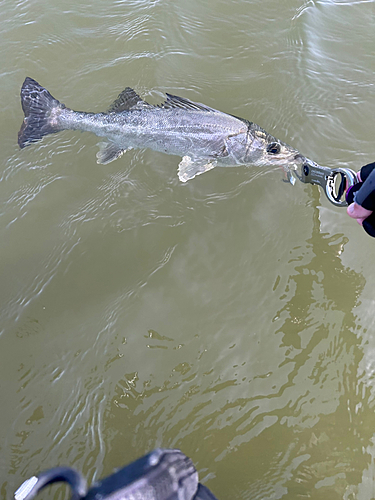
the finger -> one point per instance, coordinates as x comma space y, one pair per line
358, 212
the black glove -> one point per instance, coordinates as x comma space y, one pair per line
363, 193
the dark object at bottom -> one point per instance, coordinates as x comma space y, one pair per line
161, 475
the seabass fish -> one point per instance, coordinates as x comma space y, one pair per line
202, 136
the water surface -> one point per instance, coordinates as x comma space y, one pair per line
231, 317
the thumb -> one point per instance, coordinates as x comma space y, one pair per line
358, 212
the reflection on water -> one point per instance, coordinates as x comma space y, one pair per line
276, 425
231, 317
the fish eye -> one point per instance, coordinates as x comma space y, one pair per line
273, 148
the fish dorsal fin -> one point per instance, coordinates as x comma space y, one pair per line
128, 99
173, 102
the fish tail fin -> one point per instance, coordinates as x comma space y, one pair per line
38, 106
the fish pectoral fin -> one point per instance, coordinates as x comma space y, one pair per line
109, 151
188, 168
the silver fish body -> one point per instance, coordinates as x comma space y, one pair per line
202, 136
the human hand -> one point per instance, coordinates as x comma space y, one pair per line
361, 199
358, 212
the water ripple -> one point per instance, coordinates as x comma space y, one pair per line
216, 316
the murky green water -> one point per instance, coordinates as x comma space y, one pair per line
231, 317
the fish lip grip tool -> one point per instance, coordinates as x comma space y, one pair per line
340, 186
334, 181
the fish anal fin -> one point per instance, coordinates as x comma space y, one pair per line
127, 100
188, 168
108, 152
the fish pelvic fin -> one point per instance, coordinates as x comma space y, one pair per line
189, 168
41, 111
109, 151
